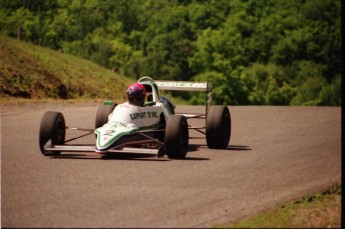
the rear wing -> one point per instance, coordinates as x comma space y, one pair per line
188, 86
184, 86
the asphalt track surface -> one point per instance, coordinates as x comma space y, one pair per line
276, 154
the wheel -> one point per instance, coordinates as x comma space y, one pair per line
103, 111
176, 137
218, 127
52, 128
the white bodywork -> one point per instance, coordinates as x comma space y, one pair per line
127, 119
137, 117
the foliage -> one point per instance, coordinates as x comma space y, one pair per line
254, 52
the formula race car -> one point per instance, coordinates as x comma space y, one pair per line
154, 128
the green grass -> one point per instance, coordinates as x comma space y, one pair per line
322, 210
29, 73
33, 72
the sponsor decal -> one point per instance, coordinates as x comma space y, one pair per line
118, 124
141, 115
181, 84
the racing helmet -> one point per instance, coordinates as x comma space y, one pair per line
136, 94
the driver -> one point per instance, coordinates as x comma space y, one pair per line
136, 94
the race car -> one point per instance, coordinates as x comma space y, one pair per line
154, 128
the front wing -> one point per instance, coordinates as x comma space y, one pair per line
142, 142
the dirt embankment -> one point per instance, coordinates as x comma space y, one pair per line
22, 76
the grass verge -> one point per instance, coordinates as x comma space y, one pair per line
323, 210
33, 72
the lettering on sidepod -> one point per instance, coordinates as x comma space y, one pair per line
141, 115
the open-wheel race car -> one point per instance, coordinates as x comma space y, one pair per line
153, 128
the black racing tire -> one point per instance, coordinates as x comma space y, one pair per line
52, 128
218, 127
103, 112
176, 137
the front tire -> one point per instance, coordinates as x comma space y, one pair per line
176, 137
218, 127
52, 129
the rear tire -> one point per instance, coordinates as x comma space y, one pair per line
176, 137
218, 127
103, 112
52, 128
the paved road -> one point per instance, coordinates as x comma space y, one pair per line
276, 154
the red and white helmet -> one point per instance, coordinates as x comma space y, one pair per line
136, 94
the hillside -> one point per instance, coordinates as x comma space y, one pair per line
30, 71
